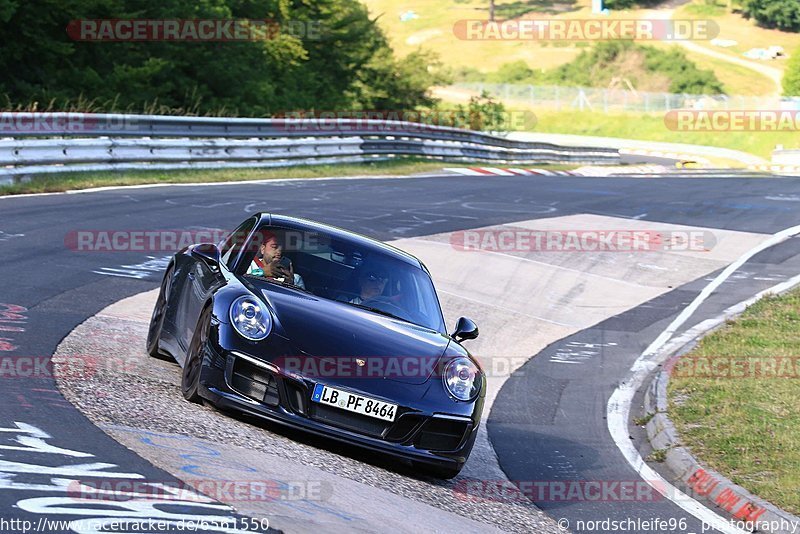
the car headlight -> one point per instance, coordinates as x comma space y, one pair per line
250, 318
462, 379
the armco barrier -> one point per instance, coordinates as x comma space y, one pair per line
47, 143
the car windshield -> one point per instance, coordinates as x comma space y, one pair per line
343, 271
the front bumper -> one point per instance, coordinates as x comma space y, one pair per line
233, 379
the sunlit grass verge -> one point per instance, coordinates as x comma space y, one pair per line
748, 429
651, 127
642, 127
86, 180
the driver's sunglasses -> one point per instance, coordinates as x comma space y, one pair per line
373, 277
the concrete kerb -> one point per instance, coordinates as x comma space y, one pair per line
704, 484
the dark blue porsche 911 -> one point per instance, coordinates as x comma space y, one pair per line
323, 330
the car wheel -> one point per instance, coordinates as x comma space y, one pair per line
157, 320
438, 471
192, 367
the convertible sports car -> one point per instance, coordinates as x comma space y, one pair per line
323, 330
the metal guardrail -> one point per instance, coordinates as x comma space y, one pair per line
32, 144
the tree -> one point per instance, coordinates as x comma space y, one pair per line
791, 77
781, 14
323, 70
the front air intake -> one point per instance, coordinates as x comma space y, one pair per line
254, 382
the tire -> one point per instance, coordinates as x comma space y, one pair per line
436, 471
157, 319
193, 366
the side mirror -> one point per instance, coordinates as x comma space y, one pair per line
465, 329
208, 254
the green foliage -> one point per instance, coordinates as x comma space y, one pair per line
389, 84
347, 63
791, 77
709, 8
515, 72
684, 75
486, 114
627, 4
481, 113
781, 14
599, 65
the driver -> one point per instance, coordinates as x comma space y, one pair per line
371, 283
270, 262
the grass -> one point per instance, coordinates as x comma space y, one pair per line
704, 9
642, 421
75, 181
434, 30
747, 428
651, 127
745, 32
648, 127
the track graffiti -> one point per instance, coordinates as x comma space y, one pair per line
60, 481
12, 319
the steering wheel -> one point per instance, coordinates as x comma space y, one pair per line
386, 305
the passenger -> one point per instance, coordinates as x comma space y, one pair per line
371, 282
270, 262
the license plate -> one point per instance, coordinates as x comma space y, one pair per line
354, 403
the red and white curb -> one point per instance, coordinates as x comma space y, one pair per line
706, 484
495, 171
605, 170
778, 169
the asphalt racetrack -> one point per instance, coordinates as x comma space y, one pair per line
569, 325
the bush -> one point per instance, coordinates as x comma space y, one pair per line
627, 4
791, 77
781, 14
483, 113
516, 72
598, 66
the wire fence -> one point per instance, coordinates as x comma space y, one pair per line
622, 99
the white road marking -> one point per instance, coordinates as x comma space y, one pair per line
5, 237
619, 404
785, 198
274, 181
578, 352
781, 236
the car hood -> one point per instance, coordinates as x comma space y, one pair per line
329, 337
